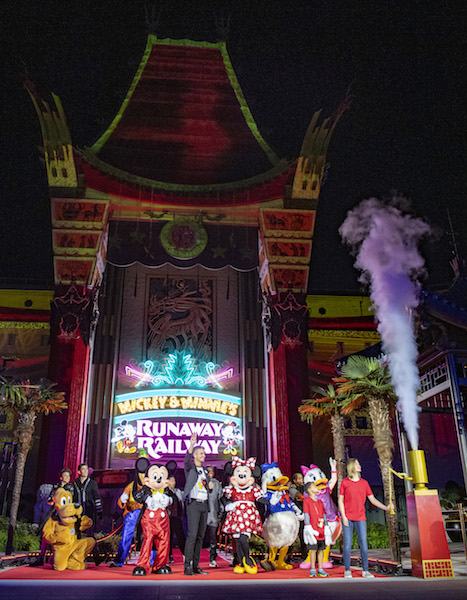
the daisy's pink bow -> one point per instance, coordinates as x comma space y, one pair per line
249, 462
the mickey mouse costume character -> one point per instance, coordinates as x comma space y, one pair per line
243, 518
155, 519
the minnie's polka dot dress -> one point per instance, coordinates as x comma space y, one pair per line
245, 516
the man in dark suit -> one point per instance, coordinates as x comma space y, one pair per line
197, 488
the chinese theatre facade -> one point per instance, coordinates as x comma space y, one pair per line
182, 246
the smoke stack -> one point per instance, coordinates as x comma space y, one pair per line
418, 468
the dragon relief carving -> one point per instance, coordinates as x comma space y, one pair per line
180, 316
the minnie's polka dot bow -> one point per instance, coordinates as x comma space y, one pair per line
249, 462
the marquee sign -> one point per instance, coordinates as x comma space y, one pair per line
179, 368
163, 420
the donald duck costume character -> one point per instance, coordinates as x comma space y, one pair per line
315, 475
281, 526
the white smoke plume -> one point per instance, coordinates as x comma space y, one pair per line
385, 239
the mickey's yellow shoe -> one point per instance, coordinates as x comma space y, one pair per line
252, 570
239, 569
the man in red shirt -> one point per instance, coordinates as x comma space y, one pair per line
352, 496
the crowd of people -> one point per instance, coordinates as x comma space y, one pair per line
205, 503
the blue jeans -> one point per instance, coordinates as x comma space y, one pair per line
360, 528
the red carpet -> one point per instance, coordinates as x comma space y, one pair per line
104, 572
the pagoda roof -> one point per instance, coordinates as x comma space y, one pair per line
449, 306
184, 122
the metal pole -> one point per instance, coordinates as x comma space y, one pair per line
403, 446
458, 412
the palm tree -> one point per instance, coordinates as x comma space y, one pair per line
367, 382
27, 401
327, 404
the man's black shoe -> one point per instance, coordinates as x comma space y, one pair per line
164, 570
171, 559
188, 569
199, 571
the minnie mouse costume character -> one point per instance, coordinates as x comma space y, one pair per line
155, 519
243, 518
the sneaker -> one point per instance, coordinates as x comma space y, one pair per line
348, 575
213, 564
312, 573
367, 575
322, 573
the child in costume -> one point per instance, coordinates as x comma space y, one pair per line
243, 518
314, 474
316, 532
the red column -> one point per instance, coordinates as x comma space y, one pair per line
279, 427
288, 381
63, 435
77, 408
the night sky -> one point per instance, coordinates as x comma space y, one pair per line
404, 131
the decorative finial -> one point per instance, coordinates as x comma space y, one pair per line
153, 17
222, 24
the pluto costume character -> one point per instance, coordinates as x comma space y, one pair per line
315, 474
281, 526
155, 519
60, 530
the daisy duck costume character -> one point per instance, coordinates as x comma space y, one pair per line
155, 519
315, 475
243, 518
281, 526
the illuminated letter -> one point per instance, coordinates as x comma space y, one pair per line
185, 431
173, 429
233, 409
160, 446
217, 428
143, 427
206, 446
174, 402
196, 428
208, 431
159, 429
214, 446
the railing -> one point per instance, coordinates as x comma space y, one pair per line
456, 515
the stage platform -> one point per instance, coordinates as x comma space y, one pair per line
224, 572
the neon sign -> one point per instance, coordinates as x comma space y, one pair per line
185, 402
162, 421
180, 368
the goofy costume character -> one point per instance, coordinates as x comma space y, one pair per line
132, 512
